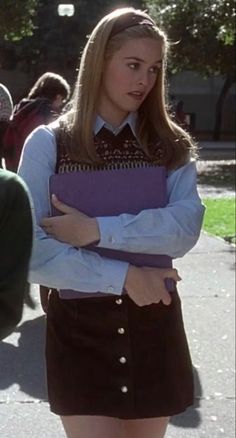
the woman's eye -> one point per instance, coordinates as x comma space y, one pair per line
154, 69
133, 65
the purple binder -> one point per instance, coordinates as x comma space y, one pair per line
110, 193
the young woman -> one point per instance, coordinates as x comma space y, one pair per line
118, 366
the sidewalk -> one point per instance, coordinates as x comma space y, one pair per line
207, 292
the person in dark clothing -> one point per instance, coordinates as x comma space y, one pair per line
42, 105
180, 114
15, 242
6, 107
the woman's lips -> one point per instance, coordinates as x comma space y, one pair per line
136, 95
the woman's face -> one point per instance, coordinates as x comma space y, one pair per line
58, 103
128, 77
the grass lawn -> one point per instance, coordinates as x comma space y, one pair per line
220, 217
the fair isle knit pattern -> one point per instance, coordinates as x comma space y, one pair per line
116, 152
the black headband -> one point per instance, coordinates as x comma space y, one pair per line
129, 20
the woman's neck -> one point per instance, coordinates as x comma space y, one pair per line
113, 118
114, 122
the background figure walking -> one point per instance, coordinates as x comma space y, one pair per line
42, 105
6, 107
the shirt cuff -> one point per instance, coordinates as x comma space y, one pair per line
110, 232
113, 276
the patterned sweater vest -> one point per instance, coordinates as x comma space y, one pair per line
115, 151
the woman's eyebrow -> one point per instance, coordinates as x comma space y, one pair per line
135, 58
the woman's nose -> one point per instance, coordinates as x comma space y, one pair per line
143, 79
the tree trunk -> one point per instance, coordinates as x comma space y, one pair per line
219, 105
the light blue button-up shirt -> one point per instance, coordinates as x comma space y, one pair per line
131, 120
172, 230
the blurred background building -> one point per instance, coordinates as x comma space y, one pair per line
57, 32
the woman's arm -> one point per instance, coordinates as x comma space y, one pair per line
55, 264
172, 230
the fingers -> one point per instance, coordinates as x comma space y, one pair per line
165, 272
165, 297
157, 290
49, 224
160, 294
146, 286
171, 273
141, 302
140, 298
61, 206
46, 223
66, 209
149, 296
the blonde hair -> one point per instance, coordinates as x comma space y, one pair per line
153, 117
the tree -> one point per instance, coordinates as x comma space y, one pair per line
51, 42
205, 32
16, 19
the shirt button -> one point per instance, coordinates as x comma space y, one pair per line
121, 331
122, 359
124, 389
110, 289
119, 301
111, 239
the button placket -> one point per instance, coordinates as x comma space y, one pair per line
123, 371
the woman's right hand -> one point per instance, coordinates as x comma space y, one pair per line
147, 286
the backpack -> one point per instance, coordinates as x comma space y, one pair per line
22, 122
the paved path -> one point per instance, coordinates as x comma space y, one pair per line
208, 303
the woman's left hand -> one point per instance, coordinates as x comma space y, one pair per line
73, 227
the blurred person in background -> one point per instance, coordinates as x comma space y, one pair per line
42, 105
6, 107
15, 244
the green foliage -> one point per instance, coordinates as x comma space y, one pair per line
220, 217
204, 30
16, 19
50, 42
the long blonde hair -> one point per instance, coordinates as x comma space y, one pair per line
153, 117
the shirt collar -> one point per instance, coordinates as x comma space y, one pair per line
131, 120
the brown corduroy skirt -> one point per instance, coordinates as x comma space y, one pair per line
107, 356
